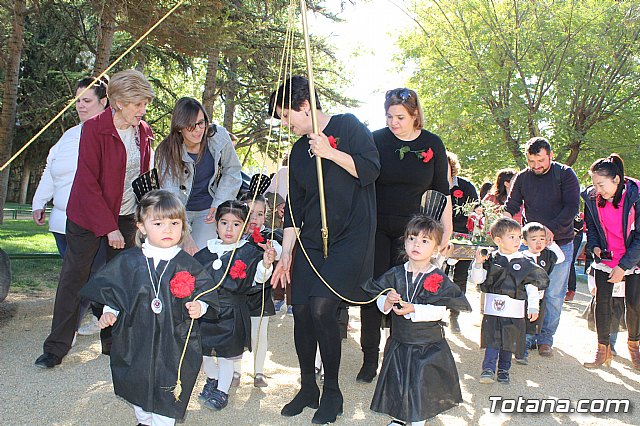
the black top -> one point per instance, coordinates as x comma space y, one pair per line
552, 199
351, 207
401, 183
462, 192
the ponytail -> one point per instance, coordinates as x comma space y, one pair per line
610, 167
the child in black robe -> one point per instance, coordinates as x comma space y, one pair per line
506, 278
418, 379
148, 295
534, 235
227, 336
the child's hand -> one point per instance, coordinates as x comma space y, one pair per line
392, 298
481, 255
532, 317
194, 308
107, 320
269, 255
406, 309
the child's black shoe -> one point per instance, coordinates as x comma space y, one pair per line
487, 376
503, 377
207, 390
217, 401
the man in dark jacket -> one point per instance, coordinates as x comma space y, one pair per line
550, 193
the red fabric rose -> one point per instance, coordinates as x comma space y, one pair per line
432, 282
257, 236
458, 193
182, 284
333, 142
238, 270
427, 156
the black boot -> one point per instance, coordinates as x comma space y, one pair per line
330, 403
307, 396
369, 368
453, 322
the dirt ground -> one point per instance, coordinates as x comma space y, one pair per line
80, 392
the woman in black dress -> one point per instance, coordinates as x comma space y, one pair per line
412, 161
350, 168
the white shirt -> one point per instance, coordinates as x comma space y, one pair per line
57, 178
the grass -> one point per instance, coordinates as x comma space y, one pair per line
24, 236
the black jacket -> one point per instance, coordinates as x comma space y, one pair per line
468, 194
630, 222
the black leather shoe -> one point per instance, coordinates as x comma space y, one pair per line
48, 360
330, 408
367, 373
453, 325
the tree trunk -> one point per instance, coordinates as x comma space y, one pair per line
106, 31
24, 182
209, 94
10, 97
230, 94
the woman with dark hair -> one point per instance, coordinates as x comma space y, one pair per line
198, 163
484, 189
612, 214
412, 161
501, 188
115, 148
350, 167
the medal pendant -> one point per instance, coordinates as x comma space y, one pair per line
156, 305
217, 264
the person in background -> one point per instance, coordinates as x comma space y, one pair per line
578, 230
500, 190
484, 189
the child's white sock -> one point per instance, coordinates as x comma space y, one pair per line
225, 374
259, 343
209, 366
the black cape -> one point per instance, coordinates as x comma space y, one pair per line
229, 334
546, 260
418, 379
351, 214
147, 346
261, 303
509, 278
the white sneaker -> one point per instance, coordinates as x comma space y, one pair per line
90, 327
73, 342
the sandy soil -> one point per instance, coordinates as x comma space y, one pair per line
79, 391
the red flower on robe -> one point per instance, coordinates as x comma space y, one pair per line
458, 193
427, 156
257, 236
182, 284
333, 142
432, 283
238, 270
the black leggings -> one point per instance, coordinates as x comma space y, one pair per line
316, 324
603, 306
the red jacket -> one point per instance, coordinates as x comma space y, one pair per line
96, 194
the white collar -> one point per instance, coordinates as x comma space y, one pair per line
429, 269
510, 257
158, 253
530, 255
216, 246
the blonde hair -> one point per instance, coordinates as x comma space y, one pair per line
160, 204
129, 86
454, 163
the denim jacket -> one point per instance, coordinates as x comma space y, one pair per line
630, 221
224, 183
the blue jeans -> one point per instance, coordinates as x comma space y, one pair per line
491, 355
554, 296
531, 340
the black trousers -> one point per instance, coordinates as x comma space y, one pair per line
82, 246
460, 276
572, 272
603, 311
389, 246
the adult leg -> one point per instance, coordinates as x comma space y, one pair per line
201, 232
632, 304
460, 276
305, 342
604, 290
577, 240
259, 344
554, 296
324, 314
61, 243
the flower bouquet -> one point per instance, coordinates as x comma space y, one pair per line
481, 215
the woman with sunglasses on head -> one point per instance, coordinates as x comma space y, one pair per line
198, 163
412, 161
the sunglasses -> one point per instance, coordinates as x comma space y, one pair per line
200, 124
402, 94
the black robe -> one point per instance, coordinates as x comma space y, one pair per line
229, 334
351, 214
546, 260
146, 346
418, 379
261, 303
504, 277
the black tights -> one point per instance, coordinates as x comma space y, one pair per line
603, 306
316, 324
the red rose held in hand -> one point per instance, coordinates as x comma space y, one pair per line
333, 142
427, 156
458, 193
432, 282
238, 270
182, 284
257, 236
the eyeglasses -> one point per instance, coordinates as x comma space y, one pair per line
200, 124
403, 94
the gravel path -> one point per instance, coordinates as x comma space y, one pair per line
79, 392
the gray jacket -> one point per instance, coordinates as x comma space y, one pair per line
224, 184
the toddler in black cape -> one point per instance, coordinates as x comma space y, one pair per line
418, 379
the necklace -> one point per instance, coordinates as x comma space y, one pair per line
419, 276
156, 303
